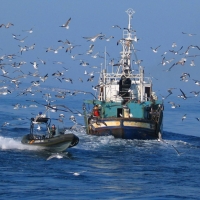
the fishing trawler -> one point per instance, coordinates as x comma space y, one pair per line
126, 106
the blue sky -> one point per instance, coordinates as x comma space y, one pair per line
157, 22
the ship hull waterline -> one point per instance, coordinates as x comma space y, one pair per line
126, 128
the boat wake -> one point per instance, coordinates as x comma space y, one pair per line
176, 142
7, 143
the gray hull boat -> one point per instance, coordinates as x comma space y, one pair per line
59, 141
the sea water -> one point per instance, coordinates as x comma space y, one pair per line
100, 167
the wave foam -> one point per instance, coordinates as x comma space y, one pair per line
11, 143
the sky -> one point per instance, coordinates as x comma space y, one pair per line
157, 23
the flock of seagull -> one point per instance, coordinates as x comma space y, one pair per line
180, 57
14, 70
11, 65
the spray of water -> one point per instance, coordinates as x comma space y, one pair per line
11, 143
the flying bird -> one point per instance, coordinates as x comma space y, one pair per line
192, 63
116, 26
197, 118
174, 45
93, 39
184, 117
58, 156
184, 77
35, 65
189, 34
183, 96
29, 31
66, 25
173, 105
170, 92
155, 50
196, 93
181, 61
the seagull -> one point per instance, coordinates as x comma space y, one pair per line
71, 47
86, 73
90, 49
80, 79
197, 118
42, 61
66, 69
35, 65
58, 62
155, 50
174, 45
74, 56
66, 25
196, 82
120, 40
5, 124
65, 42
183, 96
138, 62
195, 93
185, 76
170, 91
184, 117
83, 63
56, 50
173, 105
35, 83
60, 96
38, 128
58, 155
95, 87
91, 78
192, 63
5, 92
95, 55
67, 80
14, 35
164, 53
108, 39
49, 49
7, 25
23, 49
44, 78
189, 34
79, 113
32, 47
181, 61
175, 52
62, 115
21, 40
16, 106
29, 31
163, 62
116, 26
93, 39
58, 73
4, 71
72, 118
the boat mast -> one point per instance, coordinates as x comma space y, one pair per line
127, 45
